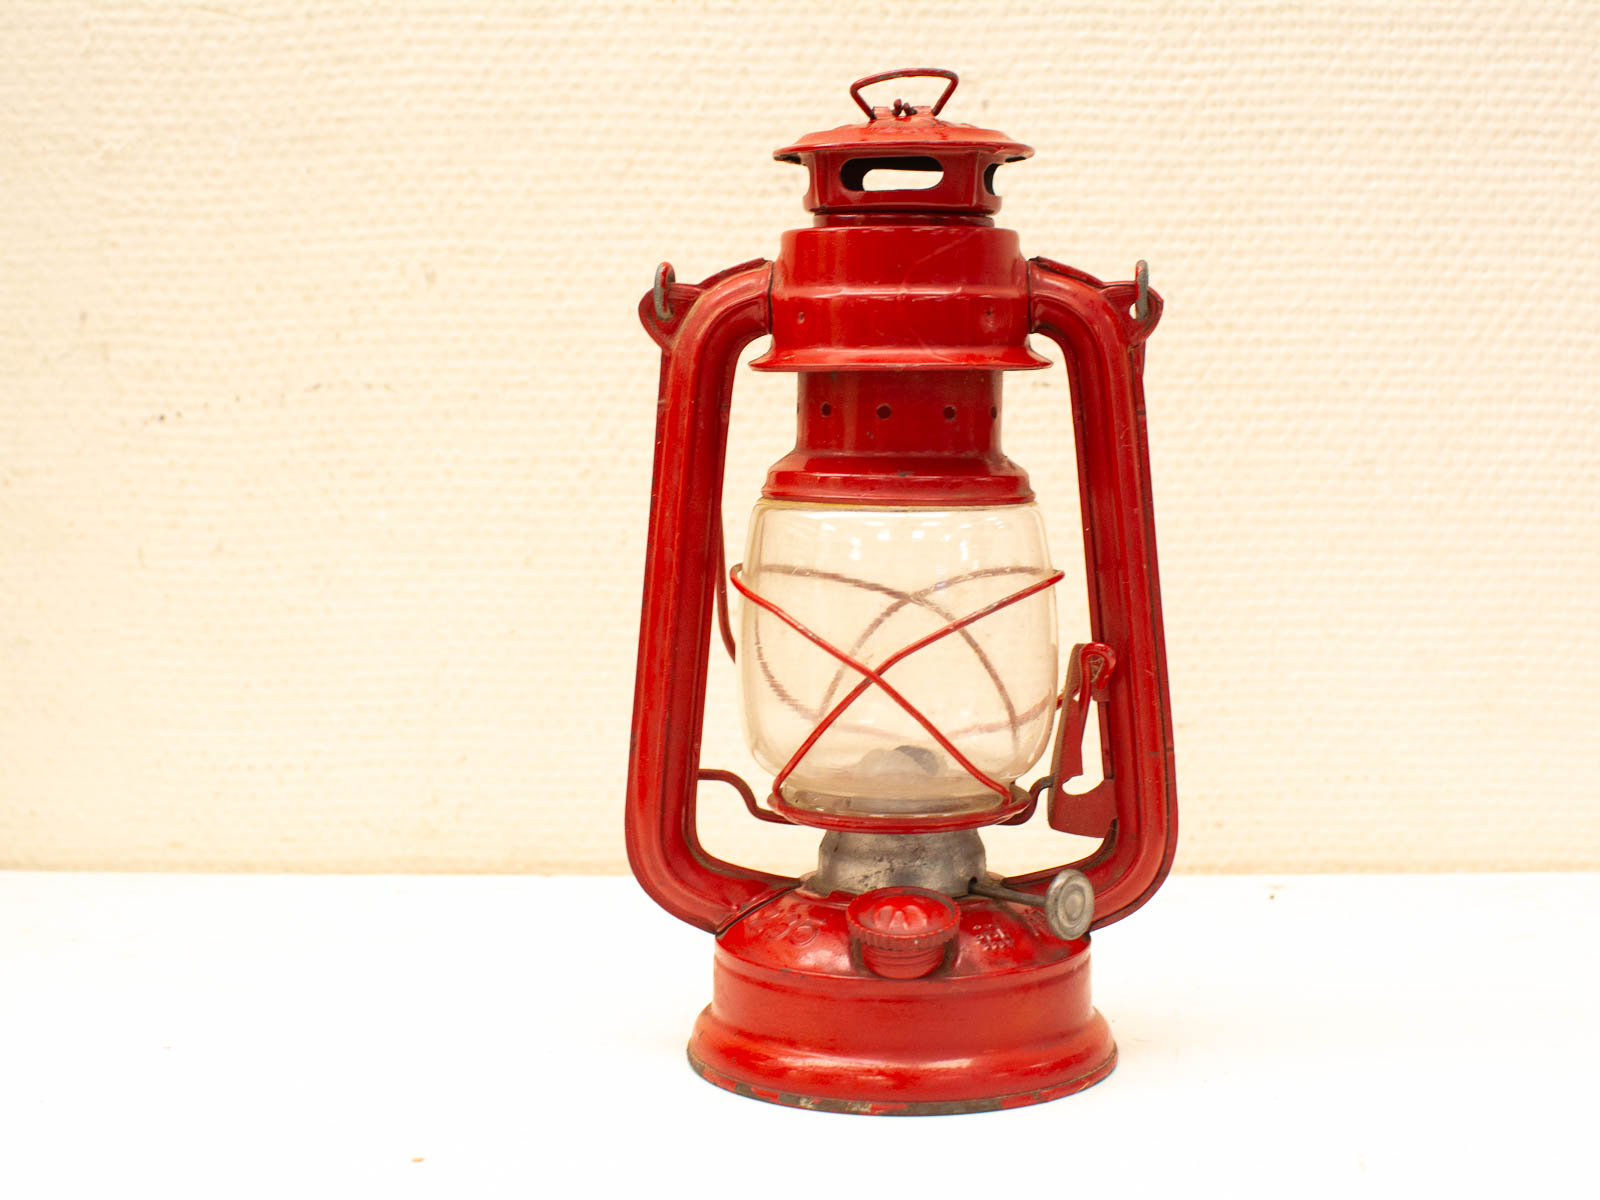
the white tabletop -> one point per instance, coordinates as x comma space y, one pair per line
471, 1036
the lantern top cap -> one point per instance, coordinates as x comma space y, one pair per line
965, 155
906, 126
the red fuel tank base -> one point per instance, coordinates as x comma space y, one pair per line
902, 1108
797, 1019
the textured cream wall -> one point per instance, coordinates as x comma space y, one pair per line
325, 422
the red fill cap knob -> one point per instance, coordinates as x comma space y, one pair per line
902, 931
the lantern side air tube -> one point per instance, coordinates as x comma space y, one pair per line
701, 331
1136, 805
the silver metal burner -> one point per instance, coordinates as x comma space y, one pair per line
860, 862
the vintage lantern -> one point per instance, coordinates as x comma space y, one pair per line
896, 646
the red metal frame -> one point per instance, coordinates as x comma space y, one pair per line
700, 344
899, 309
1103, 346
1134, 808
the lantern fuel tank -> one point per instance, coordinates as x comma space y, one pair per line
896, 644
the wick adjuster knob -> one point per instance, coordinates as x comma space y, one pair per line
1068, 903
902, 932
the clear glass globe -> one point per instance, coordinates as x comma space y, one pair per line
872, 580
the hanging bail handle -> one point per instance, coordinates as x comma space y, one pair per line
907, 72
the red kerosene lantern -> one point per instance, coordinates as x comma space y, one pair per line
897, 646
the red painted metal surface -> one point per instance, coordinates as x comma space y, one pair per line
1089, 669
909, 138
902, 932
899, 310
929, 293
1103, 346
899, 437
700, 343
797, 1018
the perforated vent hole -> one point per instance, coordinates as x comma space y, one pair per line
883, 412
891, 174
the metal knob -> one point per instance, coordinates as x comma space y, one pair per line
1068, 903
902, 932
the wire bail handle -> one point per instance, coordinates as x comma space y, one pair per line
899, 107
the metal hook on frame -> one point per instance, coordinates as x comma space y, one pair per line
665, 278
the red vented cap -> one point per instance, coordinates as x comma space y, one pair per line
907, 137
